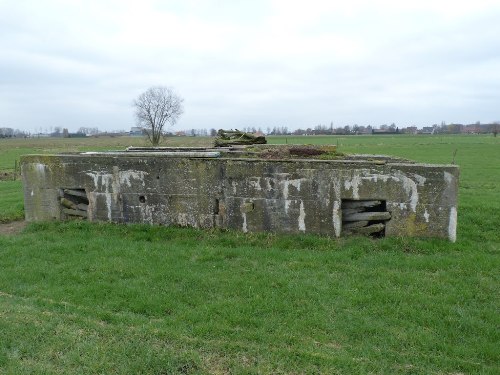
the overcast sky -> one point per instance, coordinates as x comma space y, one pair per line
250, 63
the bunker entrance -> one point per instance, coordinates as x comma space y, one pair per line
74, 203
364, 217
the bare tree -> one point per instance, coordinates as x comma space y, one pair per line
88, 130
155, 108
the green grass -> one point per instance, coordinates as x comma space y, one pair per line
100, 298
11, 201
89, 298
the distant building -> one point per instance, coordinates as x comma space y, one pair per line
77, 135
136, 131
411, 130
365, 131
387, 131
428, 129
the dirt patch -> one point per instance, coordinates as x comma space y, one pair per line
324, 152
13, 228
306, 151
7, 176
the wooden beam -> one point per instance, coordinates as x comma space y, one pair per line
76, 193
370, 216
357, 204
80, 213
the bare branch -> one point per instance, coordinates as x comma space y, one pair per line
155, 108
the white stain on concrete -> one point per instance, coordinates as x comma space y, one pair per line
336, 188
410, 188
95, 177
254, 182
287, 205
268, 183
337, 218
452, 224
374, 177
288, 183
244, 227
104, 181
420, 179
110, 184
108, 205
40, 168
337, 212
370, 177
448, 177
92, 205
182, 219
353, 184
426, 216
302, 217
126, 176
147, 213
106, 184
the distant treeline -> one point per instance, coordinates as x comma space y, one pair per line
53, 132
12, 133
476, 128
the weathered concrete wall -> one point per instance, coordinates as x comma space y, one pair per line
289, 196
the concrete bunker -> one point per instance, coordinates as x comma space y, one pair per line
285, 189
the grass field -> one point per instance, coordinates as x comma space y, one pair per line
100, 298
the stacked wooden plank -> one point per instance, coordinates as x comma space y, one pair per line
235, 137
364, 217
74, 203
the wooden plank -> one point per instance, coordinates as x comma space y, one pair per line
82, 206
76, 193
367, 216
357, 204
370, 229
71, 212
354, 224
350, 211
68, 204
